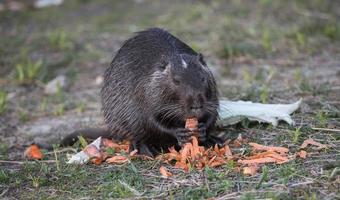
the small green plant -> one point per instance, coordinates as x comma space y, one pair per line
4, 177
321, 117
332, 31
296, 135
286, 172
298, 75
3, 101
264, 177
59, 110
59, 93
81, 107
43, 104
59, 40
267, 40
28, 71
264, 94
23, 115
300, 39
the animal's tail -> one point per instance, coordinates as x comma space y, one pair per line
69, 140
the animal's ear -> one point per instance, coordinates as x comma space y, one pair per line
201, 59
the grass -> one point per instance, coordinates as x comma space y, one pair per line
28, 71
271, 51
59, 40
3, 101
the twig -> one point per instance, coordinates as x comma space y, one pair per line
303, 183
326, 129
24, 162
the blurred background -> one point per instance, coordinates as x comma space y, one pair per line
265, 51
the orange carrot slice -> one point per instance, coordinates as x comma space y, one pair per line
117, 159
302, 154
164, 171
250, 170
33, 152
310, 141
260, 147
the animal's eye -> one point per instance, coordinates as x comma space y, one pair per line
162, 67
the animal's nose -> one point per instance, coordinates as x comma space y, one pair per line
196, 107
196, 104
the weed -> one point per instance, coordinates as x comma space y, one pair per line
321, 118
264, 176
267, 40
23, 115
28, 71
43, 104
81, 107
3, 101
296, 135
59, 110
60, 93
59, 40
298, 75
300, 39
3, 150
286, 172
4, 178
264, 94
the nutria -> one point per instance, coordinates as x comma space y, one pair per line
154, 83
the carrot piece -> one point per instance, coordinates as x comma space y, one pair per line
164, 171
302, 154
117, 159
310, 141
191, 124
227, 152
257, 161
97, 161
250, 170
195, 148
185, 152
260, 147
33, 152
92, 151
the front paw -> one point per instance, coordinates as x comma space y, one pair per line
202, 133
183, 136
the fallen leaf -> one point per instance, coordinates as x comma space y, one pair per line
310, 141
260, 147
164, 171
33, 152
250, 170
302, 154
118, 159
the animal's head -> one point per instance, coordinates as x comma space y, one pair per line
187, 86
